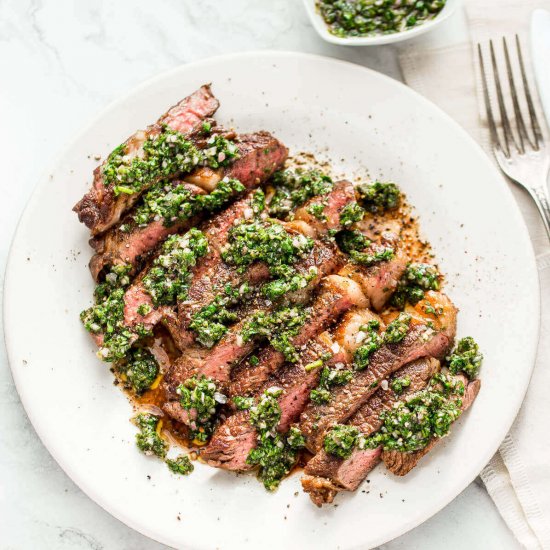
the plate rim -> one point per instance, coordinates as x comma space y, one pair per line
85, 485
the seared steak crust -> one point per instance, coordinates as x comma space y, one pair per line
260, 155
420, 341
327, 474
100, 208
400, 463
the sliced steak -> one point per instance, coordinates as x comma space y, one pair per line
236, 437
101, 208
427, 336
131, 244
380, 280
231, 443
260, 155
335, 296
400, 463
296, 380
327, 474
333, 202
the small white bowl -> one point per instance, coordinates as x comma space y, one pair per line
378, 39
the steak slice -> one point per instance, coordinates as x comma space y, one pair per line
380, 280
260, 155
101, 208
401, 463
427, 336
327, 474
333, 202
335, 296
296, 380
217, 362
236, 437
131, 244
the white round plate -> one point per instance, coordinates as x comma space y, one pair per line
364, 123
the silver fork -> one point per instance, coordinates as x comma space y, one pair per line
522, 155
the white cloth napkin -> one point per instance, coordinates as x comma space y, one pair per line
518, 476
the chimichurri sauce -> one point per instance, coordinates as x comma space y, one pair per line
369, 17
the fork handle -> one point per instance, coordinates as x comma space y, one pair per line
540, 195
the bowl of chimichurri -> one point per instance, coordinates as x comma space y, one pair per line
375, 22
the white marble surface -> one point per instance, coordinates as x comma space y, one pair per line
60, 62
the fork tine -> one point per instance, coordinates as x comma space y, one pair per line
508, 136
520, 124
488, 108
532, 114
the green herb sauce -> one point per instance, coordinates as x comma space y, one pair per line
398, 385
411, 424
379, 197
351, 213
176, 203
369, 344
279, 327
341, 440
397, 329
167, 279
327, 380
180, 465
370, 17
465, 358
294, 187
164, 155
141, 370
200, 397
211, 322
106, 316
417, 279
274, 453
148, 440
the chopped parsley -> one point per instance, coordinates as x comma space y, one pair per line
243, 403
294, 187
367, 17
274, 454
350, 241
148, 440
170, 203
140, 370
200, 398
164, 155
264, 241
414, 282
317, 211
106, 316
168, 278
341, 440
210, 322
180, 465
465, 358
370, 342
381, 254
397, 329
278, 326
350, 214
398, 385
378, 197
411, 424
295, 438
327, 380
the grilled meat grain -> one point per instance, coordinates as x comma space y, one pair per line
327, 474
427, 336
101, 207
131, 243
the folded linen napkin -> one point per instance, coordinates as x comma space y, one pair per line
518, 476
